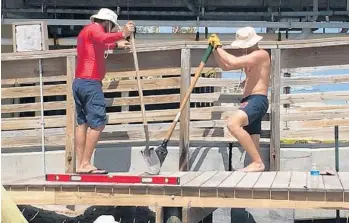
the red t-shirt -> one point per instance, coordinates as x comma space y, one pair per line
91, 45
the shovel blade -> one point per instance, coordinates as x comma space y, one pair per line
152, 160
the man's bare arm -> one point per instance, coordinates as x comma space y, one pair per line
226, 61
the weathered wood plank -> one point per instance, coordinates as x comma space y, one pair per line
70, 158
325, 133
29, 68
232, 180
163, 72
315, 115
281, 181
265, 181
208, 113
184, 163
275, 109
209, 188
298, 181
313, 97
315, 183
261, 189
298, 186
296, 81
344, 179
33, 80
121, 86
201, 179
319, 56
279, 188
244, 188
189, 176
249, 180
217, 179
333, 187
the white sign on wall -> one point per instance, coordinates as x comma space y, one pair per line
30, 36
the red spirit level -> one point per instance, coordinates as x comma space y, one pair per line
112, 178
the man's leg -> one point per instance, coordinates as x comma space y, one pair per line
235, 126
91, 142
96, 119
80, 140
81, 130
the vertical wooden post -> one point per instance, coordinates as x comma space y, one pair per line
185, 116
70, 159
275, 110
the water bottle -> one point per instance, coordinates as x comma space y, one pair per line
314, 174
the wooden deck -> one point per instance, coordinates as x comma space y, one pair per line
208, 189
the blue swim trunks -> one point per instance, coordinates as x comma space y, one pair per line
89, 102
255, 106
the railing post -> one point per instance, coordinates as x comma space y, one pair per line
70, 158
185, 116
275, 110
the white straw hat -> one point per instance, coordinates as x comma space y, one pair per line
105, 219
105, 14
245, 38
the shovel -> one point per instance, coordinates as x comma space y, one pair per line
155, 157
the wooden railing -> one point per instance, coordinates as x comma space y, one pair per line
165, 69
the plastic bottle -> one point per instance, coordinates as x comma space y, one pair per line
314, 174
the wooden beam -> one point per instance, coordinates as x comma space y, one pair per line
296, 81
275, 110
316, 56
184, 164
51, 197
9, 210
70, 159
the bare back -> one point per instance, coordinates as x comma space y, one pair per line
258, 75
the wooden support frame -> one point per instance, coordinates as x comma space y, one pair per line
184, 164
275, 109
70, 158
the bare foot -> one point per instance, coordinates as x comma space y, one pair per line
254, 167
88, 168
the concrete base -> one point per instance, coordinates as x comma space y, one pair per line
16, 166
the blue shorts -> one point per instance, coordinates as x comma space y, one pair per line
89, 102
255, 106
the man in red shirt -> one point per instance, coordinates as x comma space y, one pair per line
92, 42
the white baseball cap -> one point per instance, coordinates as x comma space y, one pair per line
245, 38
106, 14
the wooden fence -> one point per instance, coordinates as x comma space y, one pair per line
165, 70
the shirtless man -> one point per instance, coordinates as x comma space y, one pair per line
245, 124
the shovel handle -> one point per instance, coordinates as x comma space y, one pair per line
187, 94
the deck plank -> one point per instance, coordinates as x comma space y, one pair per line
249, 180
217, 179
298, 181
344, 178
281, 181
332, 183
315, 183
189, 176
265, 181
201, 179
232, 180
